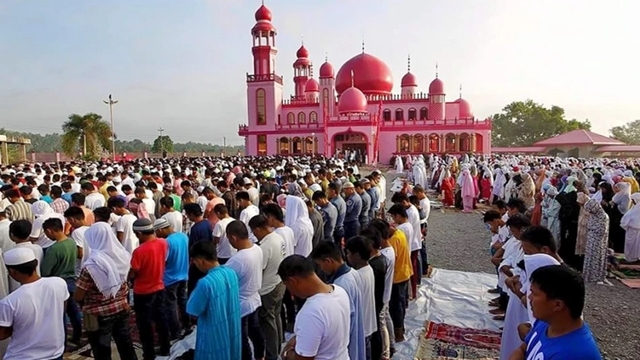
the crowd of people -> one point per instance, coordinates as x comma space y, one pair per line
242, 250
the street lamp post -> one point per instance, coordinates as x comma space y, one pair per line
313, 144
112, 102
161, 131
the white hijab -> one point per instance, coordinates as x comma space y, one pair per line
298, 219
109, 262
631, 219
531, 264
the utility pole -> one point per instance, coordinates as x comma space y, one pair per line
112, 102
161, 131
224, 143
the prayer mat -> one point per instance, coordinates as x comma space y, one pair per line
483, 339
632, 283
431, 349
629, 267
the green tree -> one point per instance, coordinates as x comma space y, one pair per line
523, 123
162, 143
628, 133
88, 132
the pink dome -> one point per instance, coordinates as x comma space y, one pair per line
302, 52
372, 75
301, 62
312, 86
464, 109
436, 87
263, 26
263, 13
326, 70
352, 100
409, 80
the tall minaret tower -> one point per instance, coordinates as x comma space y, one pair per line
302, 71
436, 99
327, 88
264, 43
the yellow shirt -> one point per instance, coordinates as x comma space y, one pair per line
402, 270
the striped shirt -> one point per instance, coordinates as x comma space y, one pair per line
20, 210
59, 205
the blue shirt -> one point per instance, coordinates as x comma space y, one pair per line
200, 231
576, 345
216, 303
341, 206
349, 279
46, 198
177, 267
329, 216
67, 197
353, 208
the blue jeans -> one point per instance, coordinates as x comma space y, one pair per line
73, 312
176, 308
351, 229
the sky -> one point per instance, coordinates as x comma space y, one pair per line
181, 65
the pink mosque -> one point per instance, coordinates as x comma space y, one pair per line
353, 109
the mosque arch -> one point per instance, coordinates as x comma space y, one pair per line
424, 113
450, 142
313, 117
386, 115
310, 144
418, 143
262, 144
296, 145
479, 139
575, 153
291, 118
261, 107
412, 114
399, 115
434, 143
349, 140
403, 143
302, 118
283, 146
465, 142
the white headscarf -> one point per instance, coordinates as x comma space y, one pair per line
109, 262
40, 208
298, 219
631, 219
531, 264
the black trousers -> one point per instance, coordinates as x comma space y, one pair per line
149, 310
397, 302
251, 331
176, 308
116, 326
194, 276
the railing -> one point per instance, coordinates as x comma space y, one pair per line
297, 126
297, 101
15, 140
391, 97
447, 122
265, 77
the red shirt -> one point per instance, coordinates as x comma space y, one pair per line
148, 261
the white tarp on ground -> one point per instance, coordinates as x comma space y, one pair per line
451, 297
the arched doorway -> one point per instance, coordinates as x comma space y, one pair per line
283, 146
403, 143
465, 143
350, 141
418, 143
310, 145
434, 143
450, 143
296, 145
479, 143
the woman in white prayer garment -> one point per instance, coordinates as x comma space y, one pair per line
631, 224
399, 165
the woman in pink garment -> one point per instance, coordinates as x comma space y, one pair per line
468, 191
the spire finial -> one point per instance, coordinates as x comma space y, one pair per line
262, 2
409, 63
302, 39
352, 80
363, 42
326, 56
436, 70
460, 91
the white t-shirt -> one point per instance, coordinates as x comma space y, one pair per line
247, 214
94, 200
407, 229
35, 311
369, 318
425, 204
414, 219
150, 205
38, 232
322, 326
273, 251
37, 251
224, 249
125, 225
247, 264
289, 239
390, 255
174, 218
78, 236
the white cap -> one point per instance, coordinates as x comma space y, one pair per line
248, 181
19, 256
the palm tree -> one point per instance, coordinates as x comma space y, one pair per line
89, 132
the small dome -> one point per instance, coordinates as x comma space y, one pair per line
326, 70
301, 62
352, 100
372, 75
436, 87
263, 13
409, 80
302, 52
464, 109
312, 86
263, 26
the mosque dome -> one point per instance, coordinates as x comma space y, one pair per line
302, 62
464, 109
263, 13
409, 80
312, 86
326, 70
372, 75
263, 26
436, 87
352, 100
302, 52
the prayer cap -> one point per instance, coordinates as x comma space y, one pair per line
160, 224
142, 225
348, 185
19, 256
248, 181
364, 181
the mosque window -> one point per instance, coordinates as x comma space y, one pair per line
399, 115
262, 144
302, 118
325, 99
423, 113
291, 118
261, 107
313, 117
279, 120
386, 115
412, 114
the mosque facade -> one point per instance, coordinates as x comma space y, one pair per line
351, 110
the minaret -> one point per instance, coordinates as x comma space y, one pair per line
436, 99
302, 71
264, 43
409, 83
327, 88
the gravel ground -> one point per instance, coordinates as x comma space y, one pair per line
459, 241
